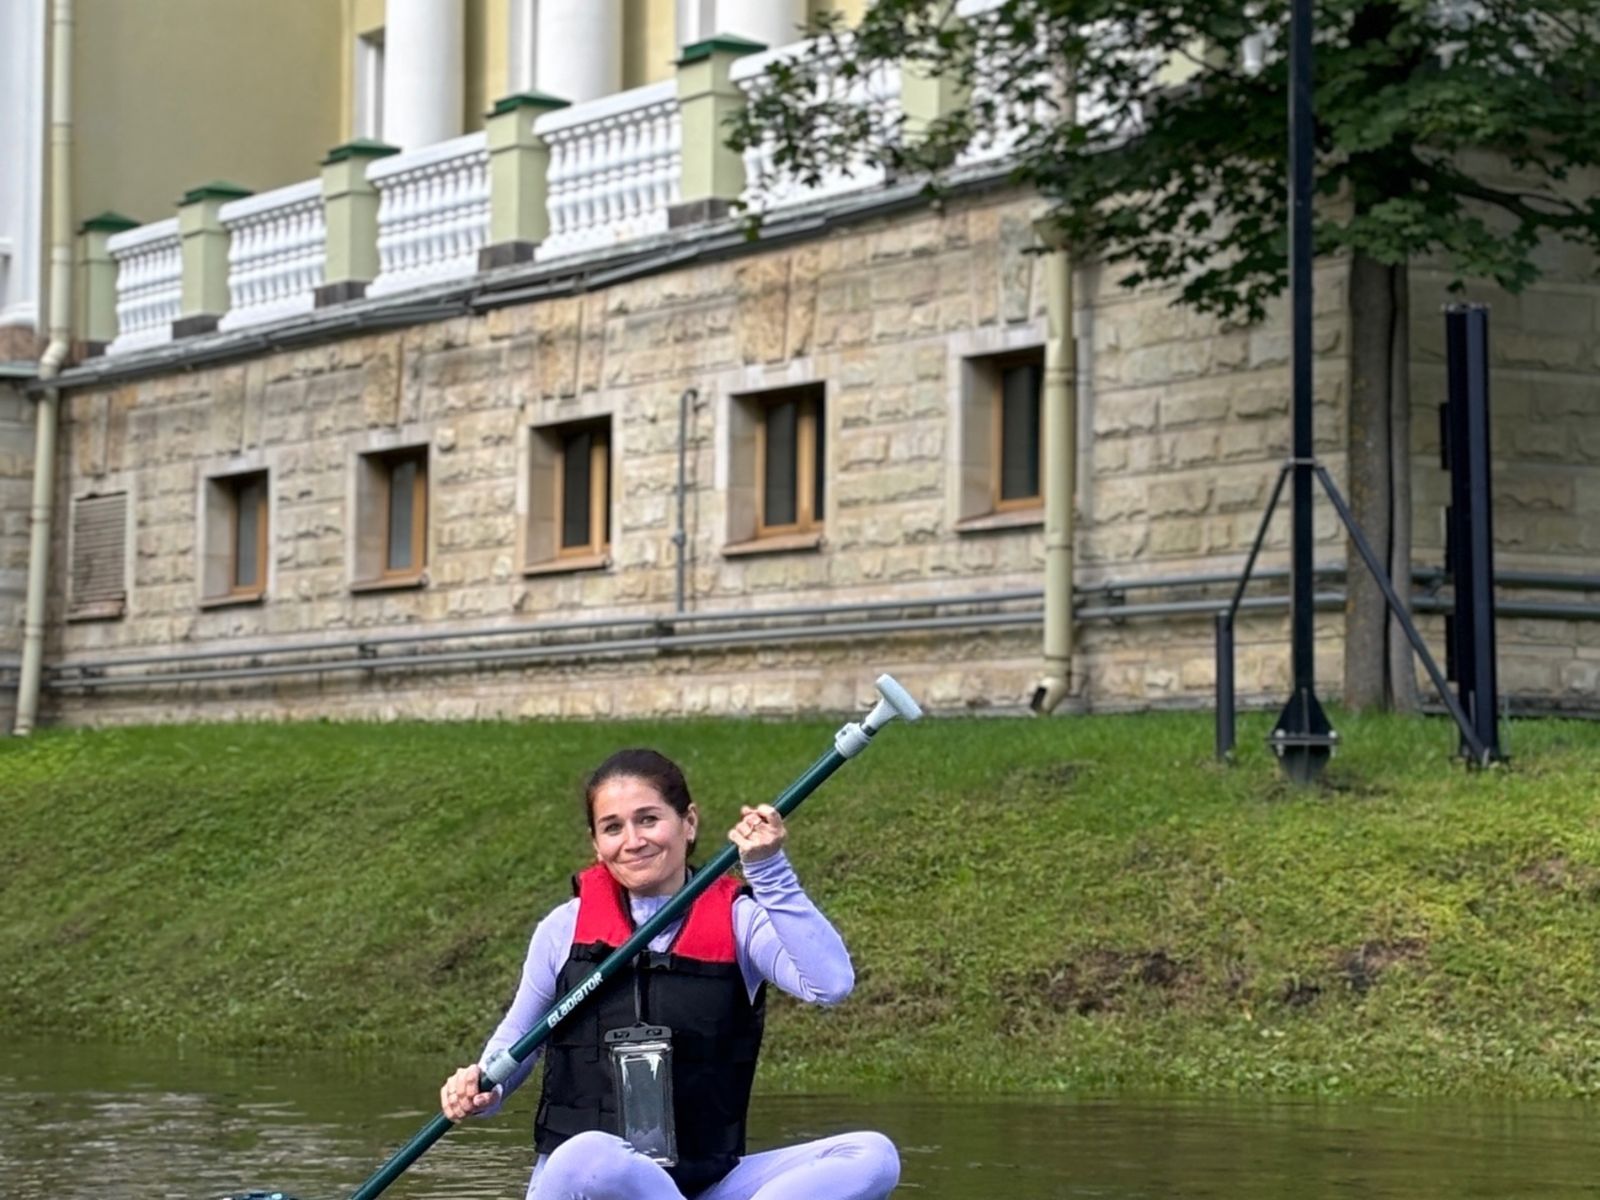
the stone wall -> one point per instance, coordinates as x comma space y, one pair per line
1183, 425
16, 482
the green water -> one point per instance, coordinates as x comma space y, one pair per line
92, 1122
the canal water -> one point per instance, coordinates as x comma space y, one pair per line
92, 1123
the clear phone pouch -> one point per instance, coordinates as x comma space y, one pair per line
641, 1064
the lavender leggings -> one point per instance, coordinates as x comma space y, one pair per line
601, 1166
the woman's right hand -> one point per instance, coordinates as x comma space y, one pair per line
460, 1097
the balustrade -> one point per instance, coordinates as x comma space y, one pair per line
615, 168
877, 92
277, 244
433, 213
149, 265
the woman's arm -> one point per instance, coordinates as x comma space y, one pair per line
784, 939
536, 992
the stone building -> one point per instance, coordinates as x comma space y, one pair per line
521, 422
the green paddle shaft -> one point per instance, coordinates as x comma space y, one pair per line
621, 957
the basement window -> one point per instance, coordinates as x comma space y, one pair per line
1002, 466
569, 496
235, 539
392, 518
777, 496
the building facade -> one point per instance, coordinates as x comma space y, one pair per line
513, 415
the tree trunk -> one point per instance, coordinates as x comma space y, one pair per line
1378, 667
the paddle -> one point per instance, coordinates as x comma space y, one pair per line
895, 702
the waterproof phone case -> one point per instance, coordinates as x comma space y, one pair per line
641, 1064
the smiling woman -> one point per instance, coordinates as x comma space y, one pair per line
646, 1088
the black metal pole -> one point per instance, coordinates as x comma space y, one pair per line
1302, 739
1226, 735
1469, 546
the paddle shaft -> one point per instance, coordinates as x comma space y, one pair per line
614, 962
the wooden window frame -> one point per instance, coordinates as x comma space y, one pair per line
812, 409
236, 485
599, 543
995, 370
419, 513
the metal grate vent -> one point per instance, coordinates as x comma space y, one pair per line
99, 556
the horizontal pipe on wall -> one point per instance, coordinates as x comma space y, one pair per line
73, 676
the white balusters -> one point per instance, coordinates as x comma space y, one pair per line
615, 168
277, 246
877, 92
433, 213
149, 284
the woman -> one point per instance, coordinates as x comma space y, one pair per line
704, 978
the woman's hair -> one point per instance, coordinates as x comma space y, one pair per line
659, 771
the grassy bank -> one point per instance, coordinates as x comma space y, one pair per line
1034, 905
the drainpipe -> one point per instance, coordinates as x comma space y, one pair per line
1058, 435
680, 537
55, 355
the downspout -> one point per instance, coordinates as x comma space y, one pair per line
1058, 436
55, 355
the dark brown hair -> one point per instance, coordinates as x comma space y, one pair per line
656, 769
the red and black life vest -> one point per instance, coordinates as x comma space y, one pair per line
696, 989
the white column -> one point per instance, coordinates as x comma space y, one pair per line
771, 22
22, 126
423, 53
577, 46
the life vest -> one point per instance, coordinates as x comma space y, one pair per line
696, 989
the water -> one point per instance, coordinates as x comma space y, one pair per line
91, 1122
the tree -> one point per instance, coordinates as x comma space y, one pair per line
1166, 158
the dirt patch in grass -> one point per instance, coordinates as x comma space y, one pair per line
1558, 873
462, 950
1099, 980
1361, 967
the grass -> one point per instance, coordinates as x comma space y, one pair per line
1032, 905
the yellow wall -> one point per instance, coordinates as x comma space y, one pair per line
172, 93
168, 94
649, 41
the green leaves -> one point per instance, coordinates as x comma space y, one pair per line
1444, 129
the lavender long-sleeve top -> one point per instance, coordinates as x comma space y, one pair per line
780, 938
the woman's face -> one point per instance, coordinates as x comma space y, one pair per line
641, 840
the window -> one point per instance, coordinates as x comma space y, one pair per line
392, 517
569, 509
367, 117
235, 538
99, 557
778, 484
1001, 461
1016, 457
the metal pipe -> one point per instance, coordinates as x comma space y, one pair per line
648, 620
680, 537
1332, 601
1058, 434
595, 649
1421, 603
46, 410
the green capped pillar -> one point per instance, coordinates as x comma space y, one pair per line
713, 173
97, 318
519, 179
350, 207
204, 244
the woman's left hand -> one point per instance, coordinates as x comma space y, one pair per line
759, 834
